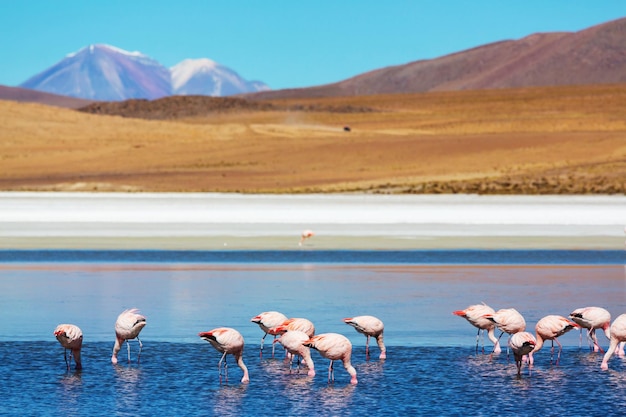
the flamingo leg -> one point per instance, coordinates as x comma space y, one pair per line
273, 347
477, 337
596, 346
262, 340
558, 356
128, 348
507, 345
367, 347
331, 373
67, 364
140, 347
219, 368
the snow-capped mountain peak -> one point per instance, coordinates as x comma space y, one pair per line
207, 77
108, 73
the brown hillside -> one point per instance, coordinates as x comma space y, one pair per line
537, 140
25, 95
593, 56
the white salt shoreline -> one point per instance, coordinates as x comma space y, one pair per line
346, 221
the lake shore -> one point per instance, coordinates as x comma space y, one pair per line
213, 221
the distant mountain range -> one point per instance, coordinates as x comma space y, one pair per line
107, 73
596, 55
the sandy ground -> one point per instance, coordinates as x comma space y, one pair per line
568, 140
275, 222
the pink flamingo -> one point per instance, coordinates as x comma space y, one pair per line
303, 325
334, 346
508, 320
550, 328
370, 326
521, 343
592, 318
227, 341
618, 336
475, 314
293, 341
70, 337
127, 327
306, 234
267, 321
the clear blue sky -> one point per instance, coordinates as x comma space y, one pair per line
285, 43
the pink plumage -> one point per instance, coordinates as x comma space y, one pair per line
369, 326
293, 341
592, 319
618, 335
475, 315
521, 343
227, 341
300, 324
127, 327
334, 346
267, 321
71, 338
306, 234
508, 320
550, 328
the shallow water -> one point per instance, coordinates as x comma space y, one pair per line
432, 367
182, 379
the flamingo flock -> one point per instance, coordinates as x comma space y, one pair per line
524, 344
296, 335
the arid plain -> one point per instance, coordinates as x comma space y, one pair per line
556, 140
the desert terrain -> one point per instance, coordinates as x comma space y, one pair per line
548, 140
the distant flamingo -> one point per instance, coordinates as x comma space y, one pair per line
127, 327
292, 341
618, 336
70, 337
592, 318
334, 346
508, 320
550, 328
266, 321
301, 324
227, 341
475, 314
521, 343
306, 234
370, 326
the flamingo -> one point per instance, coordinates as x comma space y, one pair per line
304, 325
508, 320
592, 318
292, 341
306, 234
475, 314
227, 341
618, 336
334, 346
266, 321
521, 343
370, 326
127, 327
550, 328
71, 337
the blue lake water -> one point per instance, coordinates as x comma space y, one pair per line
431, 368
